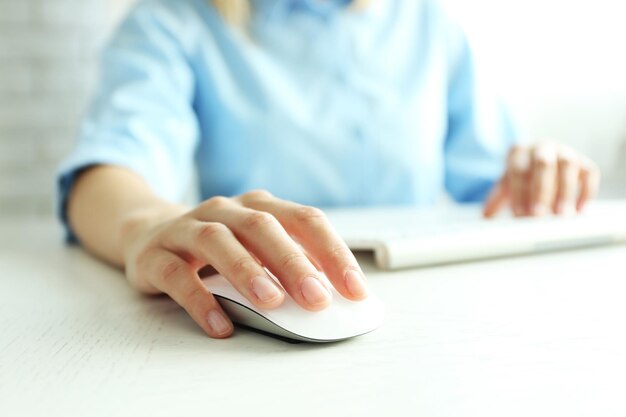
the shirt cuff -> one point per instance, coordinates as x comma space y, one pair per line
83, 159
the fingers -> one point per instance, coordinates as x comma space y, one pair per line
543, 180
498, 197
589, 180
519, 164
213, 243
175, 277
240, 238
311, 228
265, 236
567, 183
262, 234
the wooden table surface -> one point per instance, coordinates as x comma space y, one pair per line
527, 336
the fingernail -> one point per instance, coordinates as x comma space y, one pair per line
314, 292
218, 323
265, 289
355, 283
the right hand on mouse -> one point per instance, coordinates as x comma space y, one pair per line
240, 237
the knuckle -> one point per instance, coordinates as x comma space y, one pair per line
544, 156
216, 202
566, 163
519, 162
309, 215
585, 171
169, 270
208, 231
193, 295
339, 253
568, 158
256, 195
291, 260
589, 170
258, 219
242, 266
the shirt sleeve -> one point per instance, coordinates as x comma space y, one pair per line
480, 128
142, 117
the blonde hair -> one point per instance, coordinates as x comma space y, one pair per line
238, 12
235, 12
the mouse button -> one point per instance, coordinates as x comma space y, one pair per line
220, 286
341, 320
368, 313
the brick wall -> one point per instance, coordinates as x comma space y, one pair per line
48, 56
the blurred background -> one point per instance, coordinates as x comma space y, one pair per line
560, 64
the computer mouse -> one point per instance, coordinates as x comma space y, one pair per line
342, 319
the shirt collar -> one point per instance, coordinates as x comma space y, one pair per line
320, 8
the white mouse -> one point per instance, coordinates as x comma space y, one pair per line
342, 319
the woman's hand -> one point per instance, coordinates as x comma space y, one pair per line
240, 237
542, 179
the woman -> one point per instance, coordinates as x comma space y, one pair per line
320, 102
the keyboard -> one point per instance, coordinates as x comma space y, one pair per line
403, 237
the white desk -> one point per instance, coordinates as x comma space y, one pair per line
529, 336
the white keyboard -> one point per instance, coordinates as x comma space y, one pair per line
406, 237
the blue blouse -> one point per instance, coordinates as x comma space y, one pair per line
317, 103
